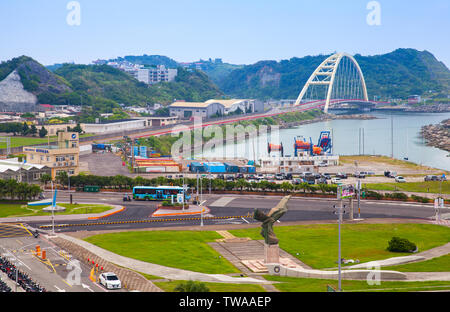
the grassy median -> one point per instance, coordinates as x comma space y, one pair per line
292, 284
22, 210
421, 187
186, 250
317, 244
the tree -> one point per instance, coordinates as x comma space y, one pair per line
25, 129
62, 178
42, 132
33, 130
286, 186
45, 178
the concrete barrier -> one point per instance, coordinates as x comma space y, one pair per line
280, 270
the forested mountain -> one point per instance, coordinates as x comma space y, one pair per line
398, 74
104, 87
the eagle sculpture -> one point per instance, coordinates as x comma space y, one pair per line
269, 219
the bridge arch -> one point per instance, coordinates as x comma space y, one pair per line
325, 75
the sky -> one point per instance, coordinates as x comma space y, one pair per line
238, 31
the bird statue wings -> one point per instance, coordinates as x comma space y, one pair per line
269, 219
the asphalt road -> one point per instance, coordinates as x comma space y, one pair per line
228, 209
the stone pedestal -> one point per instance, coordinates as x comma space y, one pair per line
271, 253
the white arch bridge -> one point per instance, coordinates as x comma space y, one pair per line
337, 80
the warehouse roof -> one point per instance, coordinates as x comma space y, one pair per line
15, 165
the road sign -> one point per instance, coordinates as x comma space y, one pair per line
346, 191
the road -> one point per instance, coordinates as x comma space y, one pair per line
226, 209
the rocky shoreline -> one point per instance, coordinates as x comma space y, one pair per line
437, 135
432, 108
325, 117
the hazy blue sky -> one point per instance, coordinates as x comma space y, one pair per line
238, 31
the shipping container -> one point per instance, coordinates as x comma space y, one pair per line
231, 168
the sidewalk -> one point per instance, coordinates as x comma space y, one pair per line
159, 270
421, 256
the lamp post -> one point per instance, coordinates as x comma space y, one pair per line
340, 212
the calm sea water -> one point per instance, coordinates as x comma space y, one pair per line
407, 142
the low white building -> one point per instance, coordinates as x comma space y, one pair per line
114, 126
187, 110
298, 164
232, 105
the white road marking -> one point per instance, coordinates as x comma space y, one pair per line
86, 286
245, 220
222, 202
59, 289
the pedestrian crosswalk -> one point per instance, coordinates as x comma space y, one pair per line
13, 230
222, 202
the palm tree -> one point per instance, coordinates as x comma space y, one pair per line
286, 186
45, 178
241, 183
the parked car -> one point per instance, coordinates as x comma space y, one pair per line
240, 176
221, 176
260, 176
391, 174
323, 164
341, 175
322, 181
296, 181
229, 178
336, 181
251, 177
110, 280
359, 175
288, 176
279, 176
270, 176
326, 176
431, 178
400, 179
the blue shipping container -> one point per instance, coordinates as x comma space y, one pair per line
214, 167
231, 168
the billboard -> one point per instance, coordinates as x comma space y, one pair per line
346, 191
143, 151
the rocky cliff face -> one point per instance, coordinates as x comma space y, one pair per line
13, 97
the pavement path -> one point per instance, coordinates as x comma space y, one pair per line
421, 256
159, 270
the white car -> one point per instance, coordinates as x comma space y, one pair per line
336, 181
400, 179
110, 280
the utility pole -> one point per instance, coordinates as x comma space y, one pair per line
340, 212
359, 196
53, 214
392, 136
184, 192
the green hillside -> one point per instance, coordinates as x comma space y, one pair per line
400, 73
103, 87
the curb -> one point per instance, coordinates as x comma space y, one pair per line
180, 213
108, 214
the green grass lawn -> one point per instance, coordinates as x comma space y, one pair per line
24, 141
22, 210
292, 284
317, 244
186, 250
214, 287
439, 264
422, 187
